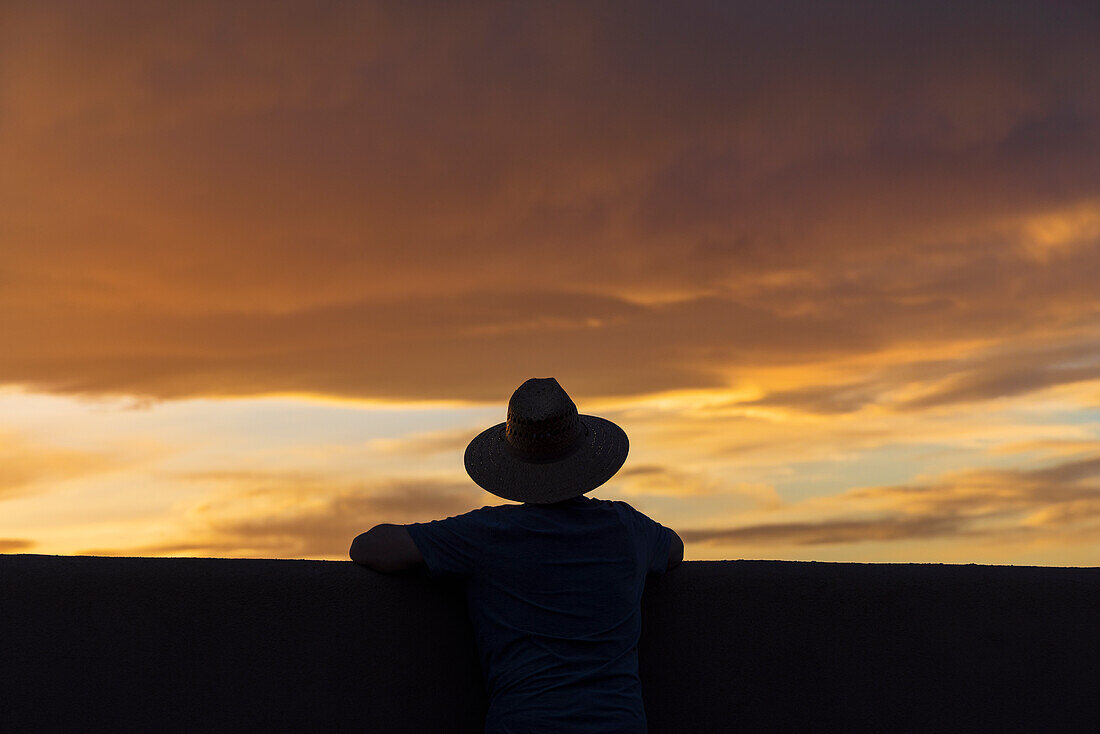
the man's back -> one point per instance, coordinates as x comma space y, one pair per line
554, 593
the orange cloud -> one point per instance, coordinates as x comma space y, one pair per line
214, 201
428, 443
15, 545
1061, 500
26, 467
272, 514
287, 515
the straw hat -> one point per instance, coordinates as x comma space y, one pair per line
545, 452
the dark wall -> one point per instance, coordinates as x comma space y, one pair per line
140, 644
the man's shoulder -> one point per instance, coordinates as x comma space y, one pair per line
621, 506
487, 514
469, 517
631, 514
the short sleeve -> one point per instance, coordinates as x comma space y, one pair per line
655, 540
451, 546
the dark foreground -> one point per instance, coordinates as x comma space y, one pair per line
140, 644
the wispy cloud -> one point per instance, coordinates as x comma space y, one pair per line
287, 515
27, 466
659, 480
987, 503
828, 531
427, 443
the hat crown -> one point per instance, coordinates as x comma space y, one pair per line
543, 423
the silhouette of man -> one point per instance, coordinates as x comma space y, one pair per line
553, 586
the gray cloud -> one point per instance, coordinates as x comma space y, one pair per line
830, 531
1062, 499
1067, 473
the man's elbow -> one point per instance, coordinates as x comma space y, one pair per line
360, 549
367, 549
675, 551
385, 548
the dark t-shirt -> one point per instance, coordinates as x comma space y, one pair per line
554, 593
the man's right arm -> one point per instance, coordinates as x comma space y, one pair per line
675, 551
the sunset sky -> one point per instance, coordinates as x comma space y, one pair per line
266, 269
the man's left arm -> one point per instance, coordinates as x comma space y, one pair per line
387, 548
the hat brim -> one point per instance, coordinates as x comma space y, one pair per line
494, 468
